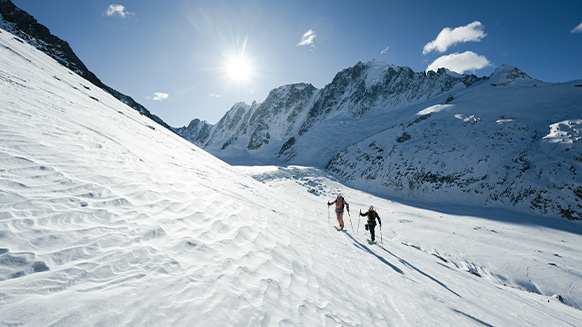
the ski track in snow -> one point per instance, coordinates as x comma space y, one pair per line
106, 218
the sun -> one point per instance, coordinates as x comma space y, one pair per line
239, 69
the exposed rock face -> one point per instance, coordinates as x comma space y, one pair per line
197, 131
258, 128
495, 146
282, 126
358, 89
506, 140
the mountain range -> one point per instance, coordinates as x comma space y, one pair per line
505, 140
109, 219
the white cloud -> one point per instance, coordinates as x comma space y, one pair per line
214, 95
577, 29
384, 51
460, 62
307, 38
449, 37
118, 10
159, 96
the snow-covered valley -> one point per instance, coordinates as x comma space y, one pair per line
502, 141
106, 218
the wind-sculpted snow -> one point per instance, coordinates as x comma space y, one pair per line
106, 218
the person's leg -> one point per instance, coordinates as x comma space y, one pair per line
372, 233
340, 218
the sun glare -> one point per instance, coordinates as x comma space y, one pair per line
239, 69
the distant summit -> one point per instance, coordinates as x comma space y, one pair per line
504, 140
506, 75
274, 130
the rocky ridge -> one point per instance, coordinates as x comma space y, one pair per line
26, 27
505, 140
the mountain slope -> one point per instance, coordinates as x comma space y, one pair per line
293, 116
511, 142
506, 140
260, 128
106, 218
20, 23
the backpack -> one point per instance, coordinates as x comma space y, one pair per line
341, 208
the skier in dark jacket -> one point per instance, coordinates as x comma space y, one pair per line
372, 216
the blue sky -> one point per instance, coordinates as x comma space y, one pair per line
186, 59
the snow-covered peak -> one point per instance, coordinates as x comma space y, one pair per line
449, 72
286, 90
506, 75
375, 72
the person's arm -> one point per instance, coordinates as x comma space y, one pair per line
379, 220
363, 214
330, 203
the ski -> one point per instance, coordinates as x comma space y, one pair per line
339, 229
371, 242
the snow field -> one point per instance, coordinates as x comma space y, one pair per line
106, 218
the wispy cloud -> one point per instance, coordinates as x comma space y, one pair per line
577, 29
307, 39
449, 37
460, 62
160, 96
384, 51
118, 10
214, 95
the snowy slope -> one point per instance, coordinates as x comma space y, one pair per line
25, 27
108, 219
511, 142
303, 125
506, 140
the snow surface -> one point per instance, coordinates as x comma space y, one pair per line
376, 72
509, 141
106, 218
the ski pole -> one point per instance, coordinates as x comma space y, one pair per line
359, 218
328, 215
351, 221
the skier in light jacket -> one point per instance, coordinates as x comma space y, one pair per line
340, 202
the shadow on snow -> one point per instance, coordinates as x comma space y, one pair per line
365, 248
404, 262
359, 245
